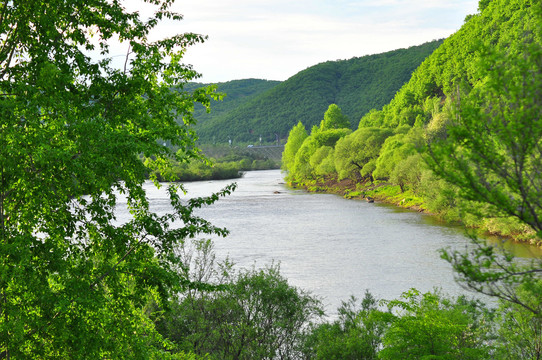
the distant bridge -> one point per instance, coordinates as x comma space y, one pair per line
273, 152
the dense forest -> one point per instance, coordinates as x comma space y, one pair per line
236, 93
357, 85
462, 138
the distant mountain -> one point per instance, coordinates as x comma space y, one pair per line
255, 108
237, 92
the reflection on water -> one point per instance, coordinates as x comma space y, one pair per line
328, 245
518, 249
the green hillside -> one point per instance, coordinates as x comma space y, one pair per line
357, 85
236, 93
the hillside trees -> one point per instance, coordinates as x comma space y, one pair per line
356, 85
75, 282
450, 79
493, 145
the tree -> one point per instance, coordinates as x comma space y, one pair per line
394, 151
357, 334
520, 333
302, 169
430, 326
74, 282
254, 314
356, 154
334, 119
297, 135
494, 141
322, 161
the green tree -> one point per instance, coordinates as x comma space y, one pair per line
356, 334
254, 314
297, 135
75, 282
408, 171
334, 119
394, 151
430, 326
491, 150
493, 146
322, 161
356, 154
520, 331
302, 169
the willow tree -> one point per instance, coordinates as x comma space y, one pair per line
74, 282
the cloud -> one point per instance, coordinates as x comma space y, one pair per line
276, 39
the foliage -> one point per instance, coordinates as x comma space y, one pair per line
297, 135
334, 119
235, 93
430, 326
322, 161
486, 152
200, 170
454, 98
520, 332
395, 150
230, 166
329, 137
357, 334
302, 168
407, 172
488, 156
356, 85
74, 282
356, 154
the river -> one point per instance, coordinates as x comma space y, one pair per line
326, 244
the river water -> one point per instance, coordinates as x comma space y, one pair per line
326, 244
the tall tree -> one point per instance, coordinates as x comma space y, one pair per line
73, 281
297, 135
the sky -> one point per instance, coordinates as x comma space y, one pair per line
275, 39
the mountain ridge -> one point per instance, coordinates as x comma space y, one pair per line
357, 85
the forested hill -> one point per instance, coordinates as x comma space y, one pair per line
237, 92
357, 85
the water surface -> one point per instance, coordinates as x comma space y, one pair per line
326, 244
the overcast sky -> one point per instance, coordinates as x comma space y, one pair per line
275, 39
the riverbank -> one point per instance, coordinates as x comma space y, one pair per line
368, 191
382, 191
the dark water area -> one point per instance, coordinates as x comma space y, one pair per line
326, 244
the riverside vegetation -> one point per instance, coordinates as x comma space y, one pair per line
74, 283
